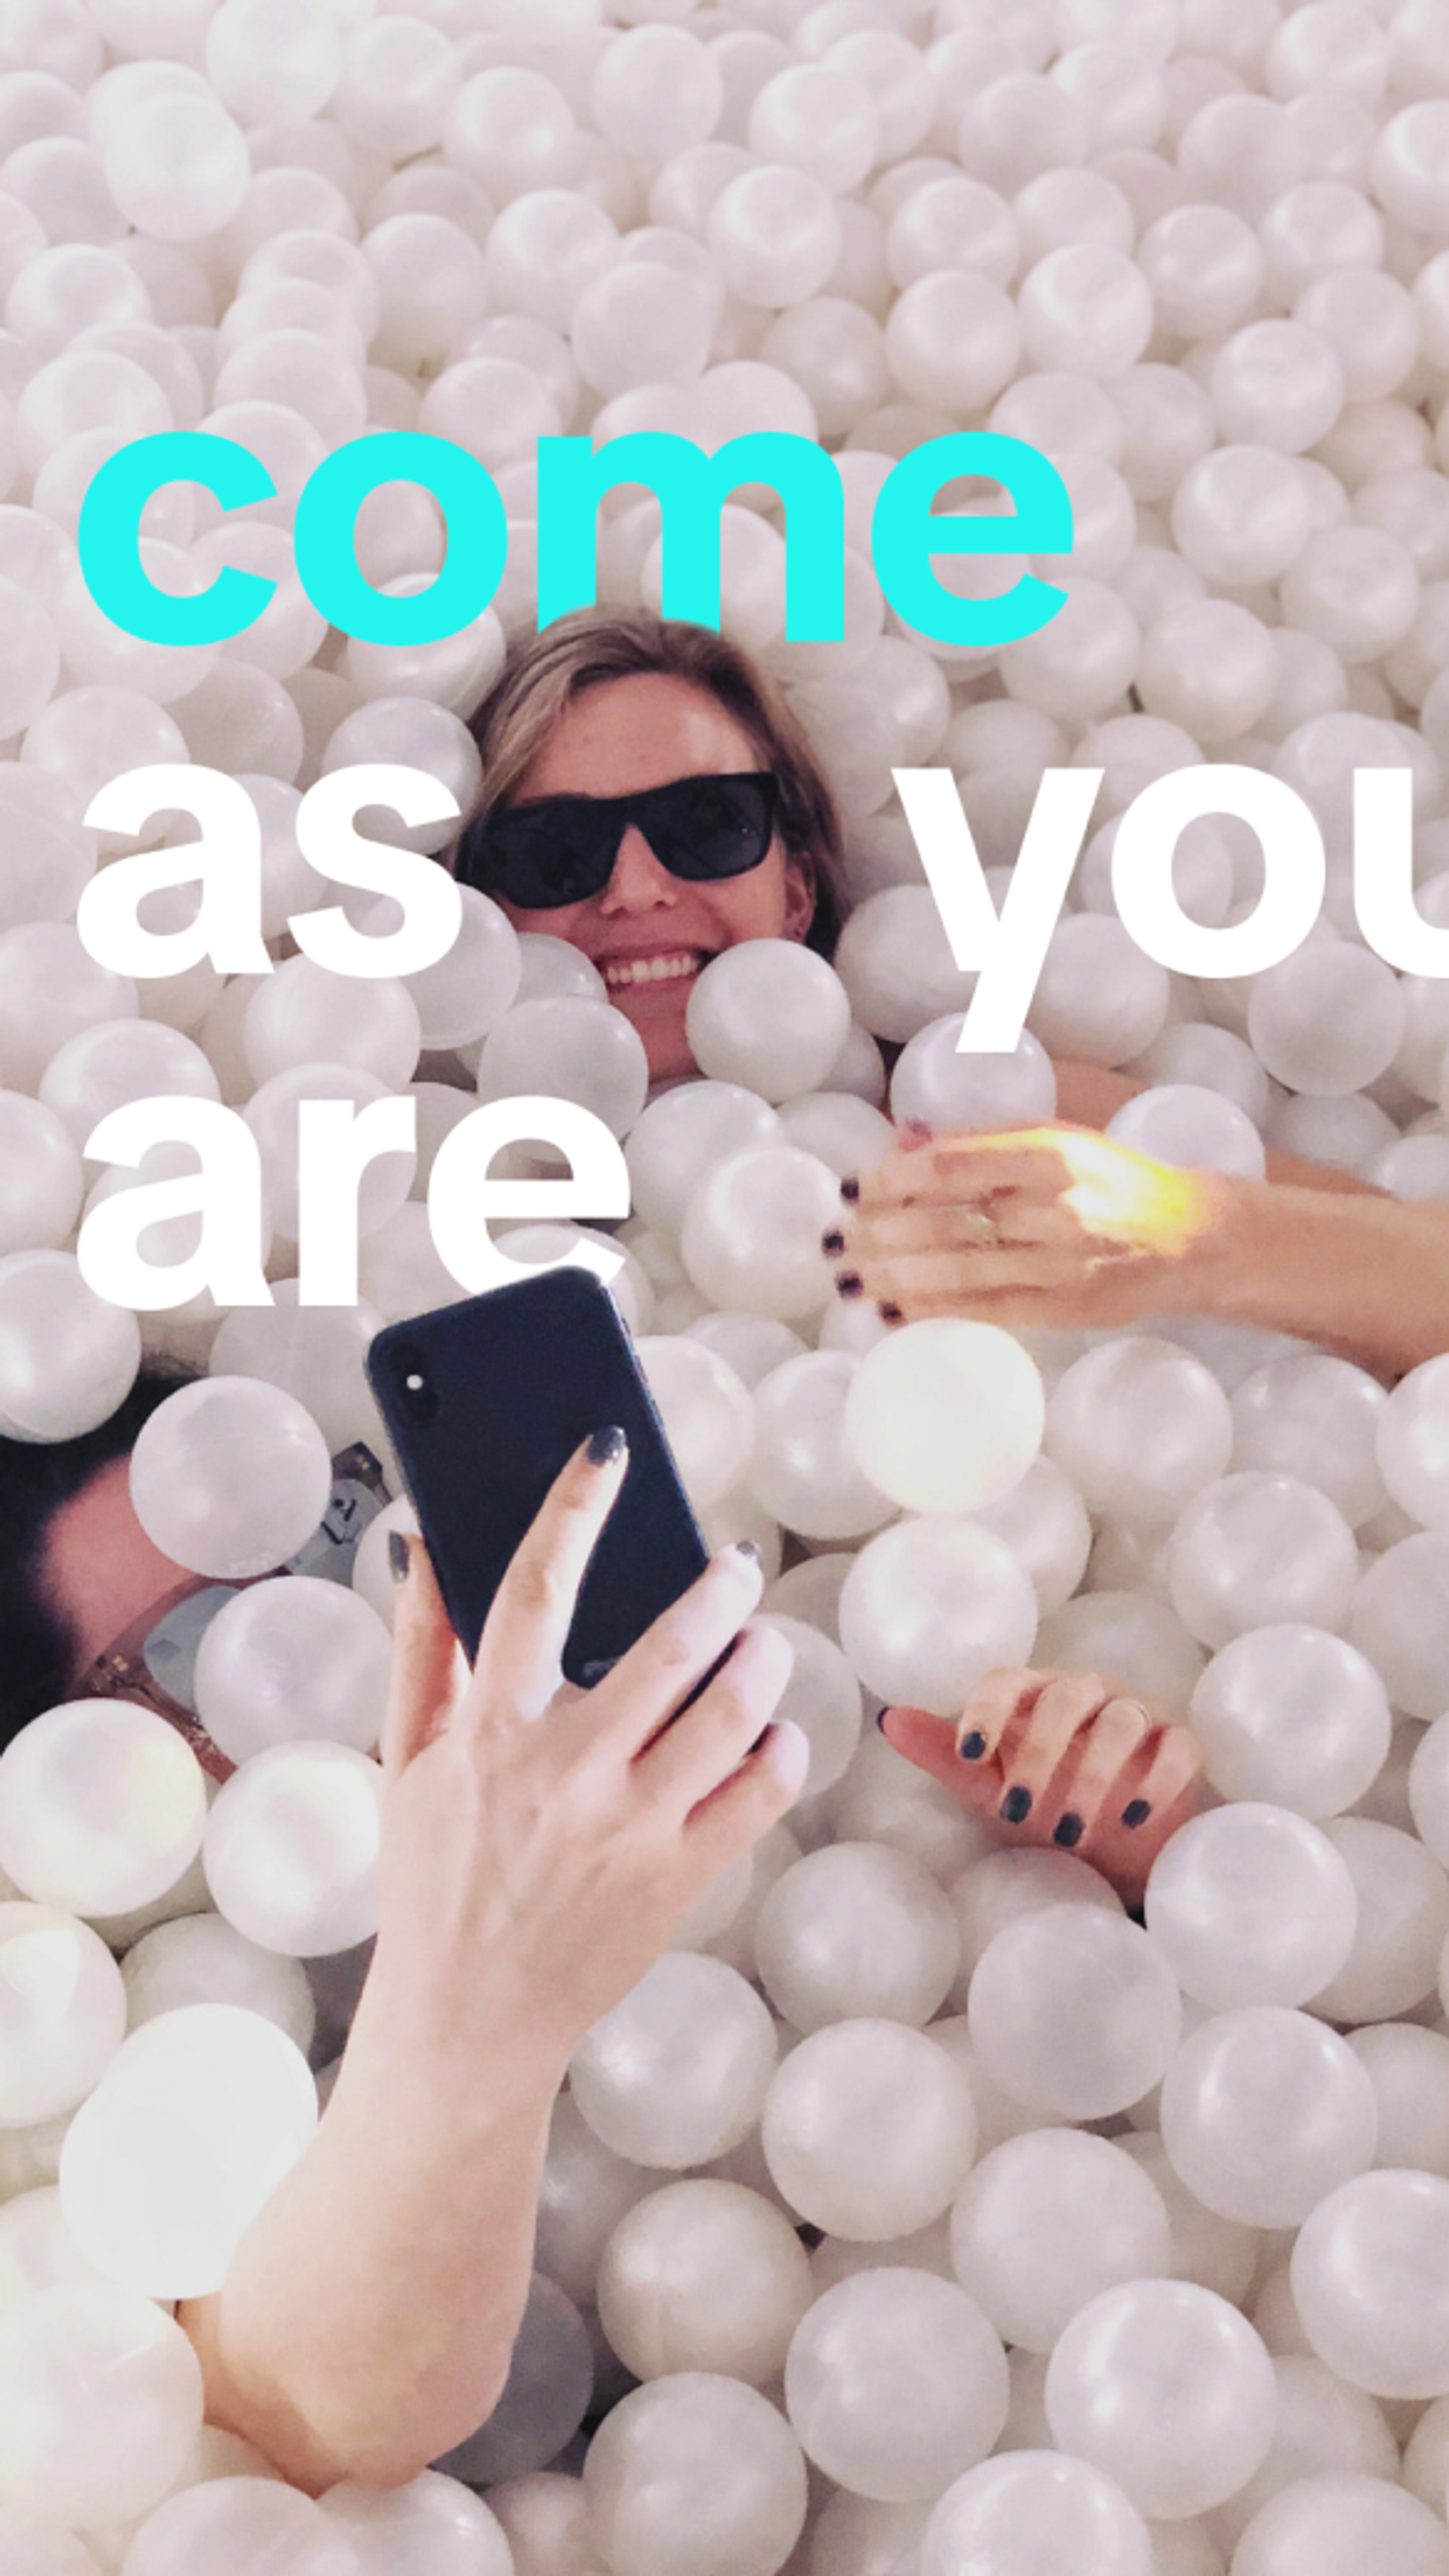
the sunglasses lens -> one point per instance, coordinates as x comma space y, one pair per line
705, 829
560, 850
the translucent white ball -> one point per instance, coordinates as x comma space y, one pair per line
229, 1477
67, 1356
1192, 1128
230, 2525
1140, 1426
868, 2130
101, 2395
801, 1470
895, 2383
1099, 995
682, 1134
707, 1412
1032, 2512
291, 1847
288, 1659
199, 1959
703, 2276
302, 1014
1046, 2222
545, 2398
768, 1014
451, 2532
571, 1050
752, 1228
945, 1417
856, 1931
1295, 1717
62, 2012
1257, 1551
648, 2510
197, 2120
1044, 1522
314, 1353
895, 966
1411, 1444
102, 1807
1168, 2389
930, 1607
1403, 1922
775, 234
1329, 1019
1252, 1905
677, 2073
1370, 2274
1400, 1620
1075, 2012
1316, 1417
1337, 2522
178, 167
934, 1082
1264, 2112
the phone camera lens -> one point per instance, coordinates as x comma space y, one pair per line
419, 1395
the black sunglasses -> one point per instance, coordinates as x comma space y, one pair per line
562, 849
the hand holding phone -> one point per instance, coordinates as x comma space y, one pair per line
541, 1846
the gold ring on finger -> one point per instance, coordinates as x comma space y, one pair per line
978, 1226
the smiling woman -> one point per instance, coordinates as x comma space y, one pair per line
587, 727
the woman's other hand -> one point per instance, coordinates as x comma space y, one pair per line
541, 1844
1066, 1761
1049, 1225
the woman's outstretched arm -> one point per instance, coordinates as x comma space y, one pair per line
540, 1848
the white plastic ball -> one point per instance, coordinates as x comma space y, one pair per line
677, 2073
1251, 1905
103, 2396
1166, 2388
703, 2276
930, 1607
1046, 2222
1368, 2273
291, 1659
768, 1014
67, 1356
853, 1932
1337, 2522
199, 1959
1140, 1426
198, 2118
1295, 1717
230, 1477
642, 2480
1264, 2113
868, 2130
291, 1847
452, 2531
708, 1416
227, 2523
102, 1807
896, 2382
62, 2012
1257, 1550
1030, 2513
945, 1417
1074, 2012
802, 1471
751, 1232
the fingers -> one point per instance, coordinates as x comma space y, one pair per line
703, 1746
929, 1742
1162, 1774
964, 1276
762, 1790
962, 1225
648, 1685
521, 1649
427, 1664
1087, 1787
1030, 1767
1005, 1699
946, 1169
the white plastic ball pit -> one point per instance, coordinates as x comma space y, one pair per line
883, 235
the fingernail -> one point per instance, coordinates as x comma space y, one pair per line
888, 1313
972, 1746
606, 1444
850, 1189
1137, 1811
398, 1555
746, 1548
833, 1242
1016, 1806
848, 1283
880, 1719
1069, 1832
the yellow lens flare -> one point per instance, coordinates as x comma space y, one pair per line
1119, 1195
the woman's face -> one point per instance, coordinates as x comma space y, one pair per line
649, 933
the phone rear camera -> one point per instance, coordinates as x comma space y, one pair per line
418, 1393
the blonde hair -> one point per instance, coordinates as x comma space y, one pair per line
582, 651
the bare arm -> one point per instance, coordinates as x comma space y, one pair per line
540, 1846
1089, 1094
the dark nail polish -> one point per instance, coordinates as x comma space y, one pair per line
1069, 1832
833, 1242
1016, 1806
880, 1718
850, 1189
848, 1283
972, 1746
888, 1312
746, 1547
1137, 1811
606, 1444
398, 1555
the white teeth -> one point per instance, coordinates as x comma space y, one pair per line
650, 970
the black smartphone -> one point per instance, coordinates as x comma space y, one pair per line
485, 1402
